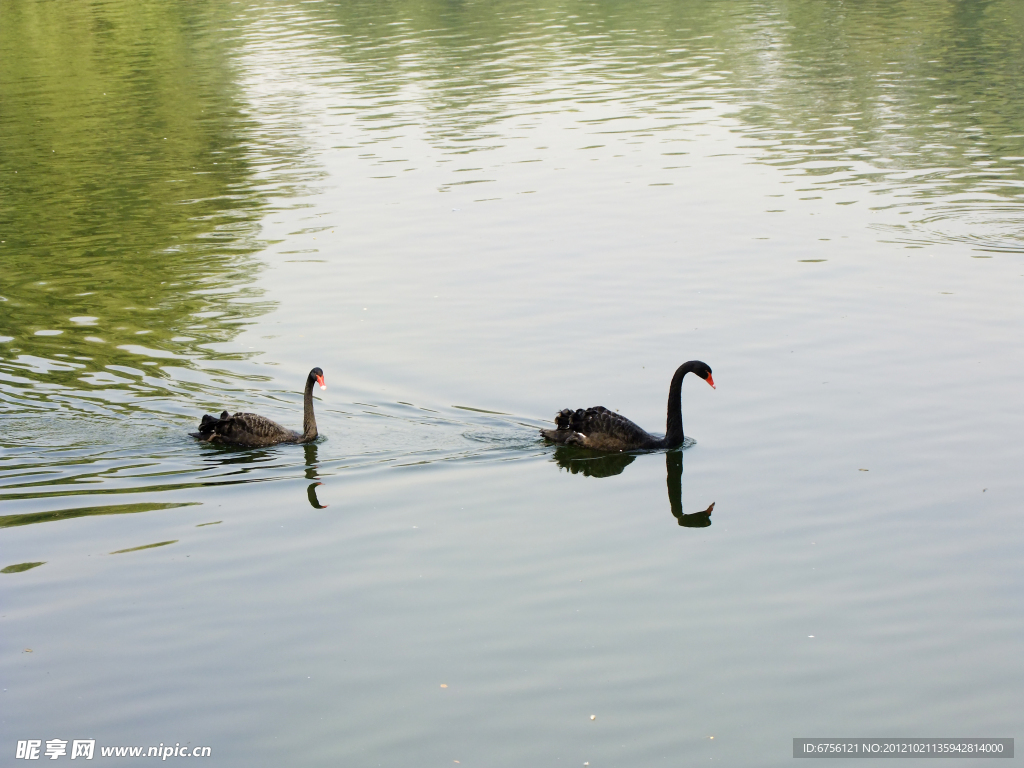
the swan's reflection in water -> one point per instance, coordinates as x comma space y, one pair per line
224, 455
590, 464
311, 474
674, 479
272, 460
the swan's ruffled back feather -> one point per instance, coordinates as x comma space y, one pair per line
247, 429
599, 429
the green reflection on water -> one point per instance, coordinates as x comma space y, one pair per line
10, 521
144, 546
126, 203
922, 101
21, 567
134, 167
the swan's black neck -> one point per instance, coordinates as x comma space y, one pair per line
308, 419
674, 423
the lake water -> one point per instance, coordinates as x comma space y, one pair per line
472, 215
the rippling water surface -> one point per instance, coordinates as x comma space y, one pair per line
471, 215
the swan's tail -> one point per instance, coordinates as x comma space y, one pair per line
564, 419
208, 426
567, 424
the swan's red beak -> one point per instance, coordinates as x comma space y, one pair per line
710, 381
320, 381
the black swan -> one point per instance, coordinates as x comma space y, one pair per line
603, 430
253, 431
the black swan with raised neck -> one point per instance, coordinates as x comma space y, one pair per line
599, 429
251, 430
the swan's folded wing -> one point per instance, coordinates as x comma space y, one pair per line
251, 427
248, 429
599, 429
600, 421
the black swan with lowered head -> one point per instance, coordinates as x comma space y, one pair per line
253, 431
603, 430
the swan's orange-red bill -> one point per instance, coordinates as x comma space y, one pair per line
321, 382
711, 381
